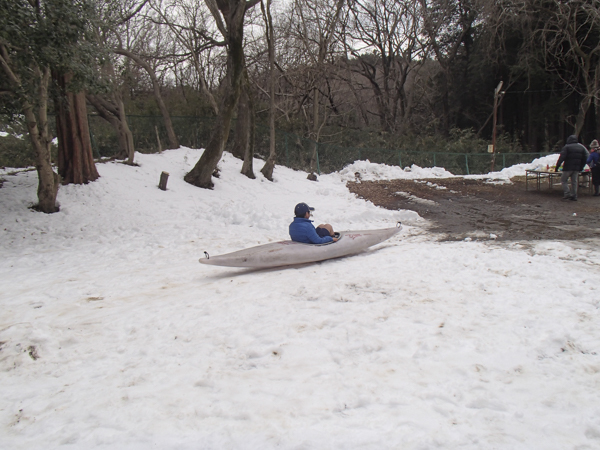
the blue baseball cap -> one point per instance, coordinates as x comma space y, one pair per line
301, 209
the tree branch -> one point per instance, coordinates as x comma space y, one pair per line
133, 13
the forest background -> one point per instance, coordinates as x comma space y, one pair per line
312, 84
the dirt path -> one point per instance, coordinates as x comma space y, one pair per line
459, 208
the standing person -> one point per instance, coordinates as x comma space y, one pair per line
574, 155
302, 229
594, 162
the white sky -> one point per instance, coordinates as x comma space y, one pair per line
414, 344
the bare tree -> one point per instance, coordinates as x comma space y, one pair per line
314, 25
384, 39
570, 34
110, 105
191, 27
144, 61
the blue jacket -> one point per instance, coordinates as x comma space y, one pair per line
302, 230
592, 160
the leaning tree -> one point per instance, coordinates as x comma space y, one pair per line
229, 17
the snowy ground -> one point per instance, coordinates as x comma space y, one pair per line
112, 336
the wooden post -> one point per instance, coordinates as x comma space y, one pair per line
497, 94
162, 184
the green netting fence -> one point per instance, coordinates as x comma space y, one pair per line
292, 150
295, 151
332, 158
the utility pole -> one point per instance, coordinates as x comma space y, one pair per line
497, 95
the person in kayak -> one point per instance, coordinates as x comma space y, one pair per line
302, 229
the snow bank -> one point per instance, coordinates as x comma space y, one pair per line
113, 336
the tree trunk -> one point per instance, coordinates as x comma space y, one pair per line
201, 174
382, 106
315, 130
242, 128
125, 131
243, 147
360, 104
115, 115
48, 180
445, 103
584, 105
248, 166
269, 166
75, 157
172, 137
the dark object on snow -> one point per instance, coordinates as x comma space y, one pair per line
162, 184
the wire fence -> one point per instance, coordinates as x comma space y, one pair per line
304, 154
292, 150
333, 158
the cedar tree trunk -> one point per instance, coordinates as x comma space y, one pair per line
75, 158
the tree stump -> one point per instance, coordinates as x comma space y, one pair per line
162, 184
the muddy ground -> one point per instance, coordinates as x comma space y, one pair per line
460, 208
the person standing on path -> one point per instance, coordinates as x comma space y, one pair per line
574, 155
594, 162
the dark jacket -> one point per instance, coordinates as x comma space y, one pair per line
573, 155
302, 230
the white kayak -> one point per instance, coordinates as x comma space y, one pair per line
285, 253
